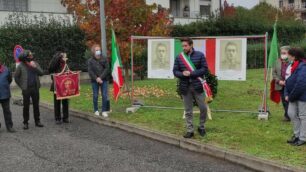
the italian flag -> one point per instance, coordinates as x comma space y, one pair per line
116, 67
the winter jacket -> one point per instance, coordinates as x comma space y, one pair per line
21, 75
200, 63
5, 81
98, 68
295, 87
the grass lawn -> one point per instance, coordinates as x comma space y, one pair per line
235, 131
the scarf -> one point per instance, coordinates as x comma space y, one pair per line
294, 66
191, 67
2, 68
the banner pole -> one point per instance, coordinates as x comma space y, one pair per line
132, 69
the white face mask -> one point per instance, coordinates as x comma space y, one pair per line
284, 57
98, 53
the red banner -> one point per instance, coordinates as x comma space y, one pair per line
67, 85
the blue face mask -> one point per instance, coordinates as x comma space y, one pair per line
98, 53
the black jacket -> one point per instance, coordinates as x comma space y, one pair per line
98, 68
200, 63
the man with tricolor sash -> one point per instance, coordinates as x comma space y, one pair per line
190, 67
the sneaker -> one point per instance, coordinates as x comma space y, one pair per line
97, 113
104, 114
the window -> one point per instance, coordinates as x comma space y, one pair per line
204, 10
175, 8
14, 5
281, 4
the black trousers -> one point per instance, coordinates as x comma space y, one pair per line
31, 93
7, 112
57, 109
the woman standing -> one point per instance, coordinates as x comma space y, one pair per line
279, 76
5, 95
295, 92
57, 65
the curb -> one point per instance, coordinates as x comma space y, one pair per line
242, 159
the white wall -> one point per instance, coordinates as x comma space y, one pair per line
163, 3
54, 6
215, 5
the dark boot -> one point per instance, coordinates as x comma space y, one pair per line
39, 124
188, 135
66, 120
299, 143
293, 140
202, 132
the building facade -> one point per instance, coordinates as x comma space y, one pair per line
299, 6
187, 11
33, 8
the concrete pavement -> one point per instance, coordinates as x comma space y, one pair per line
85, 146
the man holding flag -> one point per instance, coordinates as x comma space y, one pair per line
190, 67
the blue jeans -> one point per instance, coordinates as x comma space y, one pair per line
95, 89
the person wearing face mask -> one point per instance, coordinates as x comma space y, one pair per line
98, 69
57, 65
279, 77
295, 92
5, 95
27, 78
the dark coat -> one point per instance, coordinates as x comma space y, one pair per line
21, 75
295, 87
200, 63
5, 81
98, 68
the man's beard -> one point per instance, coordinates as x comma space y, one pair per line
187, 51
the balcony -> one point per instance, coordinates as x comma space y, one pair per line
61, 17
301, 7
187, 17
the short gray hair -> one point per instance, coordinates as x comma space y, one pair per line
287, 48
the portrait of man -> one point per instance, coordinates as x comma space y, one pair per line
160, 58
231, 55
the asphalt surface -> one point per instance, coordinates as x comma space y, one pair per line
85, 146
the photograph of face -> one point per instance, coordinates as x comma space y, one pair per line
231, 55
161, 56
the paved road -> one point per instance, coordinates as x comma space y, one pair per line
84, 146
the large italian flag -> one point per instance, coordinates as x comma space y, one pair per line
116, 67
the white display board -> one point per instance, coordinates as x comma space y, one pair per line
231, 56
160, 58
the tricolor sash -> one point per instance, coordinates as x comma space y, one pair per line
191, 67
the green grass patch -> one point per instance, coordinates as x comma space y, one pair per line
234, 131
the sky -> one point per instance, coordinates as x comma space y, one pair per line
244, 3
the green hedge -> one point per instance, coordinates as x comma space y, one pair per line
42, 37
